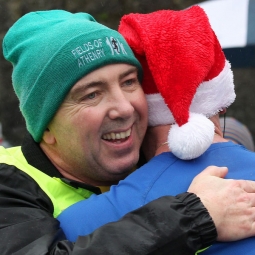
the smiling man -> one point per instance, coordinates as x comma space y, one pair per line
104, 149
86, 117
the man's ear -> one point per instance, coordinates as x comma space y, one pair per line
48, 137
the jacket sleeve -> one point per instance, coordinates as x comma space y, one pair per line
169, 225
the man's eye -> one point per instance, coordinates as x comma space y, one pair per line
90, 98
129, 82
91, 95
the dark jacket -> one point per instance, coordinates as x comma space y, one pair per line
169, 225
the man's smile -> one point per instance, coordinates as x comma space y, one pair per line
117, 137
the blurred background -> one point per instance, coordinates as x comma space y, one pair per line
109, 13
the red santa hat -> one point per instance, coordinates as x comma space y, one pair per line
186, 75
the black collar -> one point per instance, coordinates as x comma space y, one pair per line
36, 157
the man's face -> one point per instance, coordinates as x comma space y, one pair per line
100, 126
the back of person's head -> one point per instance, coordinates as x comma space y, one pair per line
50, 51
187, 78
237, 132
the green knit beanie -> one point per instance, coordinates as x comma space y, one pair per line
52, 50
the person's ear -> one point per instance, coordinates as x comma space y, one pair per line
223, 111
48, 137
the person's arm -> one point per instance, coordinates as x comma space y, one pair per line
27, 226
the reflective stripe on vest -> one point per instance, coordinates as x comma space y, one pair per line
61, 194
200, 251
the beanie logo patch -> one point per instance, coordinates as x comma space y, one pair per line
93, 50
115, 46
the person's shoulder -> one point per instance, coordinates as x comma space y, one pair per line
165, 157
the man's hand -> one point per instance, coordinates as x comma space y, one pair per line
231, 203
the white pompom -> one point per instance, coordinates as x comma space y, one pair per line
191, 139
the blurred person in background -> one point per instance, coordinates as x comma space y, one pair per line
3, 142
237, 132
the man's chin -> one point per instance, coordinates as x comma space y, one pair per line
123, 171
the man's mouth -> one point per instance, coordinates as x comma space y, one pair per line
117, 137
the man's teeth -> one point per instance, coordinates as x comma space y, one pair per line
121, 135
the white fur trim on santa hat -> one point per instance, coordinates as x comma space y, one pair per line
211, 97
158, 111
216, 94
191, 139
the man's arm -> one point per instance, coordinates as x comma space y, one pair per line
168, 225
27, 226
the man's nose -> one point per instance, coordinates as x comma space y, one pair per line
121, 106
